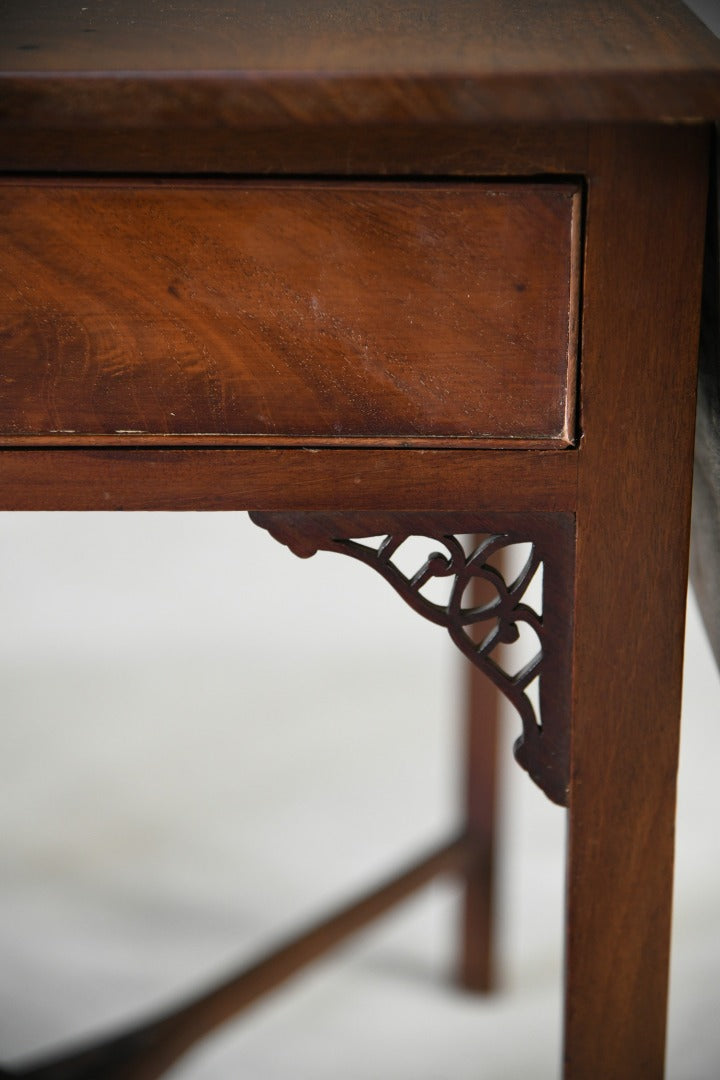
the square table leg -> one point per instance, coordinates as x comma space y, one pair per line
645, 214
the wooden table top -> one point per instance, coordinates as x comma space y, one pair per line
327, 61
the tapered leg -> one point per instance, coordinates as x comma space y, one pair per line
482, 704
646, 207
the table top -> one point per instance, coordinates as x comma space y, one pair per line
325, 61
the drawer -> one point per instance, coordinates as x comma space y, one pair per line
381, 312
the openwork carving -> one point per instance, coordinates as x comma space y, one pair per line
477, 629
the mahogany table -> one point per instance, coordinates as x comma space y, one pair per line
383, 270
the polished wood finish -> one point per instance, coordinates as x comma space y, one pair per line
148, 1051
372, 150
483, 708
373, 539
332, 38
458, 88
256, 64
478, 964
610, 97
189, 479
646, 208
319, 312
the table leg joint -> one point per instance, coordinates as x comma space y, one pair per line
543, 747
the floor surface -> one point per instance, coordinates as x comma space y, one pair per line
205, 742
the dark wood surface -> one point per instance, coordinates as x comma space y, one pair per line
478, 961
543, 745
457, 89
273, 62
646, 210
320, 312
465, 37
369, 150
329, 479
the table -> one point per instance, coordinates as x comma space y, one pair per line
419, 269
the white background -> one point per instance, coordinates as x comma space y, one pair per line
206, 742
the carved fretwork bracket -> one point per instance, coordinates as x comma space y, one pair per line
478, 630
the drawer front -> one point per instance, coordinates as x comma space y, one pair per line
387, 313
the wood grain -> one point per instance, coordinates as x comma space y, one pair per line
646, 209
329, 480
304, 150
272, 63
483, 708
331, 36
464, 88
288, 310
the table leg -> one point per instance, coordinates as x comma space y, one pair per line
640, 332
621, 829
482, 707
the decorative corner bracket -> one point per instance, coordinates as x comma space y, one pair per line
543, 747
